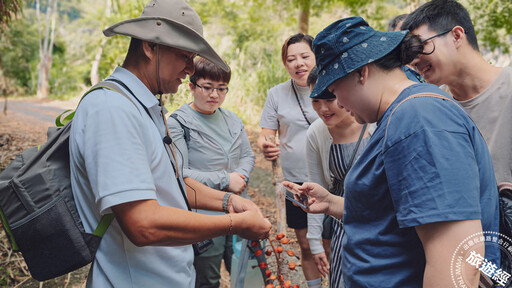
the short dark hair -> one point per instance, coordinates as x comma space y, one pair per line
297, 38
135, 53
205, 69
440, 16
393, 23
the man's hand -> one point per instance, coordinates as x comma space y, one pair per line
237, 183
322, 263
251, 225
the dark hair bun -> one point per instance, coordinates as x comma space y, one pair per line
410, 48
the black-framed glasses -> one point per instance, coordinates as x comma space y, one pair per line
437, 35
426, 41
208, 90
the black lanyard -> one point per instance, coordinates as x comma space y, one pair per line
182, 190
298, 101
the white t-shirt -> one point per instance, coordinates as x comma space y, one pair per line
282, 112
117, 156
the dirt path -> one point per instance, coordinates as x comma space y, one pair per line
25, 125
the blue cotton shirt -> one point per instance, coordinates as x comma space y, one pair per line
434, 166
117, 156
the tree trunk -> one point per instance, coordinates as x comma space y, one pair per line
304, 7
3, 86
43, 86
95, 75
95, 67
5, 103
46, 47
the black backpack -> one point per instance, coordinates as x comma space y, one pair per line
37, 207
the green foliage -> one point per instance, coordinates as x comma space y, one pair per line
249, 38
8, 9
247, 34
492, 20
19, 55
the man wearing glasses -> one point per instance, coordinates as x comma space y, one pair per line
216, 152
122, 161
452, 58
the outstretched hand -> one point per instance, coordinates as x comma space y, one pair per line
318, 196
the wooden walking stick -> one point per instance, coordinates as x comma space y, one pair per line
277, 180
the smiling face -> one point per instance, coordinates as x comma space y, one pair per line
299, 61
438, 67
207, 102
330, 112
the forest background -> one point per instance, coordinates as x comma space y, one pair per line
55, 48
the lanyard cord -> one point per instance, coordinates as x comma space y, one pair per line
298, 101
167, 138
168, 135
167, 144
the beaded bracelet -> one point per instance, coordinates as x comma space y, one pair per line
225, 202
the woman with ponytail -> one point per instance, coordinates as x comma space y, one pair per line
424, 183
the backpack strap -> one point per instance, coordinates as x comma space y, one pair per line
106, 219
185, 128
433, 95
62, 120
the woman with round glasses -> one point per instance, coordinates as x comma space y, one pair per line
215, 150
288, 111
425, 181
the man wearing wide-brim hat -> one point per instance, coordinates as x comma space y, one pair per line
123, 161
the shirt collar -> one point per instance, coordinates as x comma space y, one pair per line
138, 88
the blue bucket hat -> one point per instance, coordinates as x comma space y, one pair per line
346, 45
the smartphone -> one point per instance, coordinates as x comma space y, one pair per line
303, 201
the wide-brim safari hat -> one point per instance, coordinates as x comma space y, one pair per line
346, 45
172, 23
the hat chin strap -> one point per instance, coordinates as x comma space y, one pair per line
159, 92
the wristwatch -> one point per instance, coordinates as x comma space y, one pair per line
225, 202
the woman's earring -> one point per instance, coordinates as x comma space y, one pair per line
361, 78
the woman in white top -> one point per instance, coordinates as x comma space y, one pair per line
333, 144
288, 111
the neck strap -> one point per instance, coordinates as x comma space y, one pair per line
168, 147
298, 101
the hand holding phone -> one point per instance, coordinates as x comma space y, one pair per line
303, 199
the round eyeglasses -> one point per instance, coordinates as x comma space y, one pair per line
209, 90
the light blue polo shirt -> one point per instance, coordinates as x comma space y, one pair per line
117, 156
434, 166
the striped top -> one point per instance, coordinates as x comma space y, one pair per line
339, 158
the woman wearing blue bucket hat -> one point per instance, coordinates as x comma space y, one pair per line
425, 181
